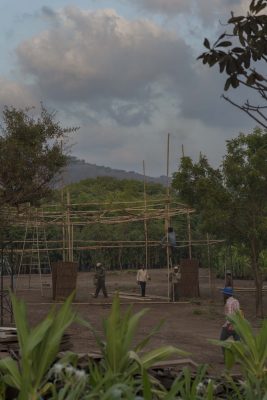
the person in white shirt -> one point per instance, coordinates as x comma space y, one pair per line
231, 307
142, 277
175, 278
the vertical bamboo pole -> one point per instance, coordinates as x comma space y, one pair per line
64, 218
38, 252
231, 259
68, 227
72, 242
120, 255
209, 265
167, 219
2, 287
189, 235
63, 227
145, 215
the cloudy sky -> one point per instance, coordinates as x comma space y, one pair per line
125, 71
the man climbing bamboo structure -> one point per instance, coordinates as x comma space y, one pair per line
170, 240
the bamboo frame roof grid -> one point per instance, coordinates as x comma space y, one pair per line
40, 217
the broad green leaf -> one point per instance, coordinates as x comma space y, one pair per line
10, 367
224, 44
206, 43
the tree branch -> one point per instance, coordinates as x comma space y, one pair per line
247, 111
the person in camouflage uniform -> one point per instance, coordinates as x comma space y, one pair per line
99, 280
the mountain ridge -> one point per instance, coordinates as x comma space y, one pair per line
77, 170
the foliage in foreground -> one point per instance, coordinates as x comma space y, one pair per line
251, 354
38, 349
123, 372
241, 53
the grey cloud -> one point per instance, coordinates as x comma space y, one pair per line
131, 114
99, 53
201, 99
126, 84
120, 69
16, 94
178, 6
124, 112
168, 7
90, 56
9, 34
207, 10
48, 12
111, 145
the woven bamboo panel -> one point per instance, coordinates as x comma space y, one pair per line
64, 279
189, 278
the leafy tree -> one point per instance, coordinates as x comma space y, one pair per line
31, 155
237, 52
232, 199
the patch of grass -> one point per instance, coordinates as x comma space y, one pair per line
196, 302
198, 312
213, 313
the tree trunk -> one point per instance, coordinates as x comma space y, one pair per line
257, 279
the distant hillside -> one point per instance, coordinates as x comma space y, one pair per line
78, 170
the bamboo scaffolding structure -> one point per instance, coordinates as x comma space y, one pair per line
62, 205
209, 266
91, 247
167, 216
80, 220
145, 217
189, 235
68, 227
193, 242
163, 199
71, 215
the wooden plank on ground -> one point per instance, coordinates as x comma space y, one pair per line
171, 363
138, 298
152, 296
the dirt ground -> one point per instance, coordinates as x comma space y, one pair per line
188, 324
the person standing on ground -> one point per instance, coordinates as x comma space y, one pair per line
228, 279
228, 283
142, 277
99, 280
231, 307
175, 277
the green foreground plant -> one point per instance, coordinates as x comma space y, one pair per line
124, 370
38, 349
121, 374
251, 354
124, 362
